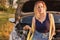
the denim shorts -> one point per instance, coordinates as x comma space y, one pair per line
40, 36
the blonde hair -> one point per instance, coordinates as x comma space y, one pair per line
44, 5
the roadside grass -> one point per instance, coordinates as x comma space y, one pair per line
5, 26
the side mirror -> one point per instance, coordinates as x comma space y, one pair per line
12, 20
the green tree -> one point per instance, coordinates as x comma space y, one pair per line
2, 2
10, 2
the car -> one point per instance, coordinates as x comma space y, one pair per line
26, 14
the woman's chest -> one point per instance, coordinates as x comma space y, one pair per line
45, 23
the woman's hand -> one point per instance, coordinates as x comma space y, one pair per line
27, 27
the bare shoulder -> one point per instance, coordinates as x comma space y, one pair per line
50, 15
33, 18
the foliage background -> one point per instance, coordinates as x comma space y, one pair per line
6, 13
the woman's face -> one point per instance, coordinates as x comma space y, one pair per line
40, 8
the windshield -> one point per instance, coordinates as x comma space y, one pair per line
51, 6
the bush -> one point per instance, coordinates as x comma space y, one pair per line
3, 8
11, 10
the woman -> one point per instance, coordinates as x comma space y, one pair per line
43, 27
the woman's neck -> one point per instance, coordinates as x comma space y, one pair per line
40, 15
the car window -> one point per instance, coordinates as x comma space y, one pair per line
28, 6
57, 18
27, 19
51, 6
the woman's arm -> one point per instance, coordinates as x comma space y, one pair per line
31, 32
33, 24
27, 27
53, 25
